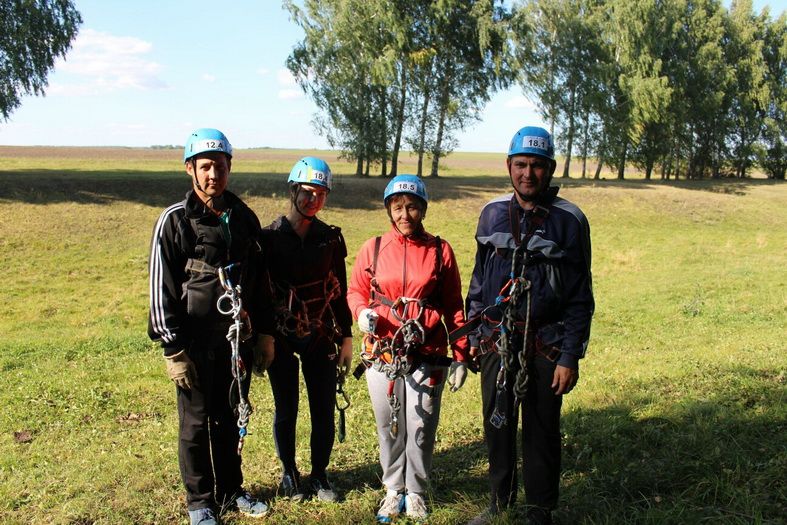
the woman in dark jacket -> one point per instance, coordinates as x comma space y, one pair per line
305, 261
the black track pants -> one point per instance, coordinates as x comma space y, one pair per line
318, 362
208, 434
541, 439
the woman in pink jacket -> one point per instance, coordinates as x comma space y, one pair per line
405, 290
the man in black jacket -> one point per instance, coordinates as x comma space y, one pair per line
545, 310
210, 231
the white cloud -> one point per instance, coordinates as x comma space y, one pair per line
289, 94
263, 71
103, 63
285, 78
289, 89
519, 102
207, 77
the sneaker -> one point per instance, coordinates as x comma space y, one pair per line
203, 517
415, 505
322, 488
390, 506
251, 506
290, 486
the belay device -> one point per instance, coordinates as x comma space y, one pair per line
230, 304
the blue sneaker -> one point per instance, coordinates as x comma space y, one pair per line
251, 506
203, 517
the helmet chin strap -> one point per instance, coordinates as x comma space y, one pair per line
196, 182
307, 218
210, 200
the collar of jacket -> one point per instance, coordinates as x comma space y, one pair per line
545, 199
317, 226
196, 209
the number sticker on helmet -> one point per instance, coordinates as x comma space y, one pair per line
532, 141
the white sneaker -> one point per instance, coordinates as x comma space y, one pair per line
390, 506
415, 505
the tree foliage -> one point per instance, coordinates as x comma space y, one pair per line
385, 73
684, 85
33, 33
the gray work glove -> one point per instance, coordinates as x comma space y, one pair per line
181, 370
457, 375
264, 351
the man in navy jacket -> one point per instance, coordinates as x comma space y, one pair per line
553, 304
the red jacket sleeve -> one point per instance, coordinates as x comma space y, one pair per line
453, 304
359, 290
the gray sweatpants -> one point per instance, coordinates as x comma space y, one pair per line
407, 459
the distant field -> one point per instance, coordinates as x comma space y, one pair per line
255, 160
680, 415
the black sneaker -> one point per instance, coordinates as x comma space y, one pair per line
290, 486
323, 489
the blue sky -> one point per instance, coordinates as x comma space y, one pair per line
147, 72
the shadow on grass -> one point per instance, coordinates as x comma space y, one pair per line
159, 189
720, 459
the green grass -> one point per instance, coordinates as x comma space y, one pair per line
679, 416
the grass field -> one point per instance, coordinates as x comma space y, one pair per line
680, 415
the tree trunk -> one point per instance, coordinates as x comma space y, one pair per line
648, 168
359, 167
444, 100
399, 124
383, 131
597, 176
570, 142
585, 143
422, 131
622, 160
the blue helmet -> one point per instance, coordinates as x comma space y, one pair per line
204, 140
532, 140
311, 170
406, 184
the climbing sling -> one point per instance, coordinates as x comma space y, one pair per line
342, 402
513, 306
230, 304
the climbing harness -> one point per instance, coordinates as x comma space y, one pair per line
230, 304
342, 401
398, 355
292, 313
